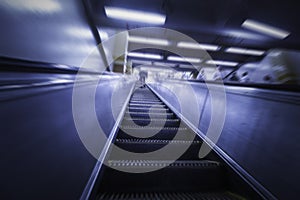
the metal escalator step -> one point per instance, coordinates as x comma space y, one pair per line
164, 133
142, 119
146, 113
190, 148
167, 196
164, 163
154, 122
146, 99
145, 128
148, 110
162, 175
132, 108
148, 141
146, 105
147, 116
146, 102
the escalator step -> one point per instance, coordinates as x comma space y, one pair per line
190, 149
165, 163
147, 141
147, 102
154, 122
158, 113
152, 128
152, 115
196, 176
142, 119
147, 105
168, 196
147, 109
163, 133
153, 99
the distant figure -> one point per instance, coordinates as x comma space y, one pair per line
142, 76
234, 77
245, 78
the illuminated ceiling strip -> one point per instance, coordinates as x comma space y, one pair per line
144, 55
180, 59
144, 40
244, 51
265, 29
191, 45
133, 15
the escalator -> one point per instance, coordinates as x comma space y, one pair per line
189, 177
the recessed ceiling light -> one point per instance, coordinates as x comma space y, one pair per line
180, 59
144, 40
244, 51
192, 45
144, 55
265, 29
133, 15
220, 62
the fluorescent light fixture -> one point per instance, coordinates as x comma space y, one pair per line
144, 40
163, 64
144, 55
180, 59
220, 62
265, 29
244, 51
133, 15
191, 45
142, 62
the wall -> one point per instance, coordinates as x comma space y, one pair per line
261, 132
42, 156
50, 31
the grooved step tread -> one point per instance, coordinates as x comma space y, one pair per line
152, 128
143, 119
147, 102
168, 196
144, 105
151, 141
147, 113
164, 163
146, 108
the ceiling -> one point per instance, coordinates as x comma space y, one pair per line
214, 22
